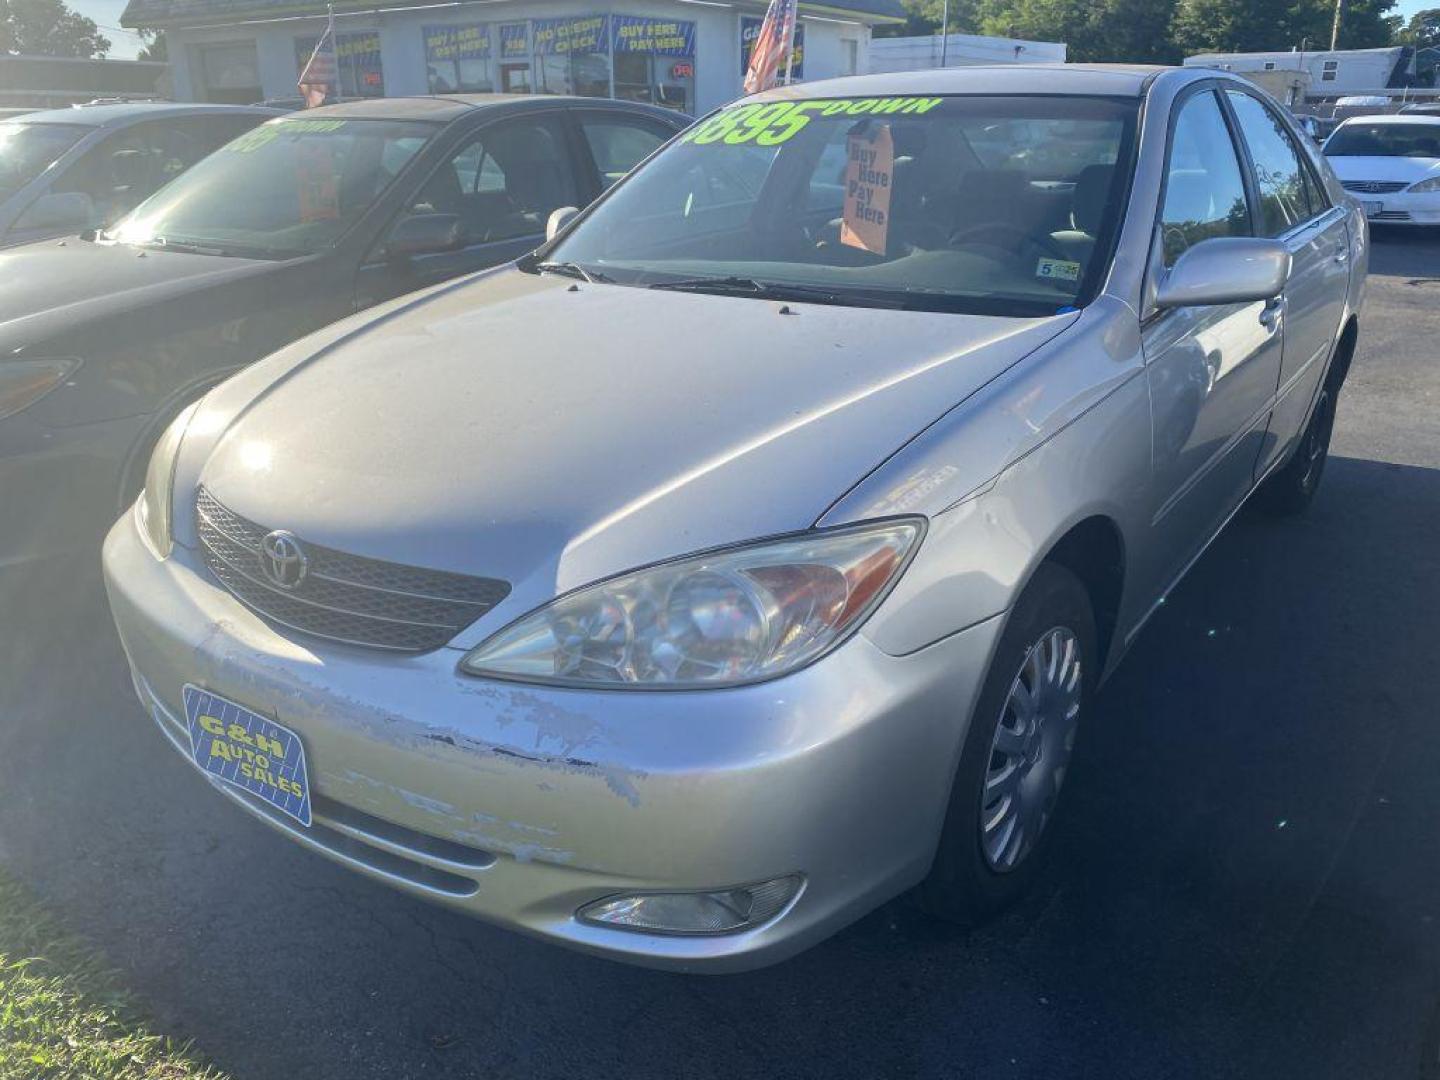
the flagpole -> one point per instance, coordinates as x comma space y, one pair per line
790, 45
334, 49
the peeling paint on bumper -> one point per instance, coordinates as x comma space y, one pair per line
521, 804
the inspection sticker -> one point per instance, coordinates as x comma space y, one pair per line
1057, 270
247, 750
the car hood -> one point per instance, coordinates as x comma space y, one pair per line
55, 283
1407, 169
551, 433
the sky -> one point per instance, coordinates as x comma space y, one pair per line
124, 43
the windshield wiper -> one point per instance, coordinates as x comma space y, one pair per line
200, 247
575, 270
735, 285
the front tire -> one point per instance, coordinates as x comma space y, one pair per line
1016, 752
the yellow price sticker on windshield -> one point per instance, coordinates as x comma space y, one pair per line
775, 122
265, 134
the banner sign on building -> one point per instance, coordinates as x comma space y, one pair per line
659, 37
750, 30
575, 34
513, 45
362, 49
471, 42
357, 55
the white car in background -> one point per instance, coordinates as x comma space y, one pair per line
1391, 165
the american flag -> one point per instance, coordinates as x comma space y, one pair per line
773, 46
321, 78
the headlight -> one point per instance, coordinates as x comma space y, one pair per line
720, 619
24, 382
1433, 184
152, 511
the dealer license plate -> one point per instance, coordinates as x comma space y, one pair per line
249, 751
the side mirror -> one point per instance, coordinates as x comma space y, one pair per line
1225, 270
425, 234
69, 211
558, 219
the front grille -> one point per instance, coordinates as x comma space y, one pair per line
1374, 187
344, 597
1390, 215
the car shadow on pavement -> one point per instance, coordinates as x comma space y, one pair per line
1246, 878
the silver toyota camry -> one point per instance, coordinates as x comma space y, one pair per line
751, 552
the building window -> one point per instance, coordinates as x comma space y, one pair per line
515, 58
358, 56
1269, 65
457, 59
231, 73
654, 60
1328, 70
572, 55
750, 30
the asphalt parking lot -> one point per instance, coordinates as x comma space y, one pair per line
1248, 884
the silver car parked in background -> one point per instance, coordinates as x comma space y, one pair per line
752, 551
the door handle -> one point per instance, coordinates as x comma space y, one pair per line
1270, 313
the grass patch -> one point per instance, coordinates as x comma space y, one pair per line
63, 1011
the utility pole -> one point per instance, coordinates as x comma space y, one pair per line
944, 32
1335, 26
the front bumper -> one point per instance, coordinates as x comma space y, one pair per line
521, 804
1400, 208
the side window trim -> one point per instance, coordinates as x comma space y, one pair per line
1247, 161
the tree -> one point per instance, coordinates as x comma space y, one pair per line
1094, 30
48, 28
1422, 31
926, 17
155, 47
1278, 25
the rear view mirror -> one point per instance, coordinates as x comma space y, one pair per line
425, 234
70, 211
1225, 270
558, 219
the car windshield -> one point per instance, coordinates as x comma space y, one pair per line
289, 187
27, 150
1385, 140
974, 204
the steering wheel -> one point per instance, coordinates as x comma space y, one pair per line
1004, 231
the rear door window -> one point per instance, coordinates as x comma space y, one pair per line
1279, 175
619, 143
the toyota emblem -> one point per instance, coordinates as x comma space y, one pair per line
283, 560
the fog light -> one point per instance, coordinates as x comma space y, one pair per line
724, 911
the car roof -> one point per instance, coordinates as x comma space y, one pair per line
1392, 118
1122, 80
119, 114
448, 107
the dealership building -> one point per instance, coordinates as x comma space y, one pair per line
686, 54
